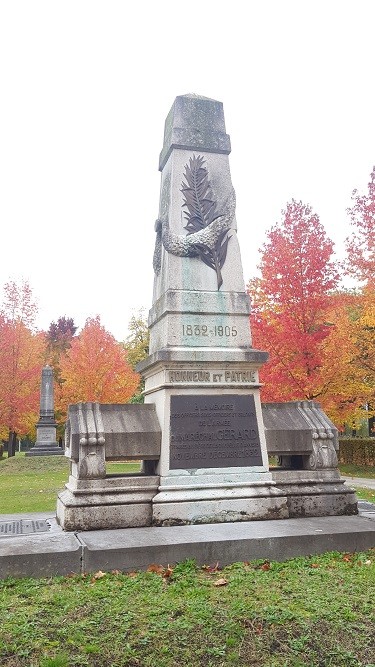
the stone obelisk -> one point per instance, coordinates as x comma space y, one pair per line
46, 444
202, 372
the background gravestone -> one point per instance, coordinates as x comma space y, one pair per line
46, 444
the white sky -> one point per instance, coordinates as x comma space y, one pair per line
85, 87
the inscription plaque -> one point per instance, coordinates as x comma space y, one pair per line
214, 432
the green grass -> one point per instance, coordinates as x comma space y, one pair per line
31, 484
366, 494
357, 471
307, 612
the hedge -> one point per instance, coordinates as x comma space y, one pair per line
357, 451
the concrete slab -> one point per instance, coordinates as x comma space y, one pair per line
136, 548
40, 555
61, 553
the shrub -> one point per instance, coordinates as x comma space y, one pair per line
357, 451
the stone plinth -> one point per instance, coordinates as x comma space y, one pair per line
96, 433
305, 443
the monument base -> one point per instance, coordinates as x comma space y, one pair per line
315, 493
117, 502
206, 502
46, 449
46, 444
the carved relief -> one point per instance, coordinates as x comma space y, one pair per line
207, 229
322, 456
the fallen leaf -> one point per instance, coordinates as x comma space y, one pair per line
314, 565
98, 575
211, 569
167, 572
220, 582
265, 567
368, 562
115, 572
158, 569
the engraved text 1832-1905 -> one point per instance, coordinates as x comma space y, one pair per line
214, 432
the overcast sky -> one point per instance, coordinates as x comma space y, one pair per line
85, 87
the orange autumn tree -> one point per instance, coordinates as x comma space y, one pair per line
342, 370
21, 361
360, 264
290, 303
95, 368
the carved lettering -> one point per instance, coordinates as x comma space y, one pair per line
189, 376
220, 431
223, 377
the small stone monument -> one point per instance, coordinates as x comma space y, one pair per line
46, 444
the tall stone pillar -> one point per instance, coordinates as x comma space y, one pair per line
46, 444
202, 372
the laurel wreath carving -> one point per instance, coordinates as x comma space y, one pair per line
207, 229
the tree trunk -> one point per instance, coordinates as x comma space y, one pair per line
12, 443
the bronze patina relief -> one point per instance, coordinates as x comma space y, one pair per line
207, 229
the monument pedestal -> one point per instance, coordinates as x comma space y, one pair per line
46, 443
213, 463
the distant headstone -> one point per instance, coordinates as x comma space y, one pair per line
46, 443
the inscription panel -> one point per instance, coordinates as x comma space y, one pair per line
214, 432
46, 434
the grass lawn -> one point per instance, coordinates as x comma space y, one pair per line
358, 471
31, 484
307, 612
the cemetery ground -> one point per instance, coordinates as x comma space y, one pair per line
315, 611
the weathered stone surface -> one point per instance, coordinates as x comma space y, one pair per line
113, 502
125, 431
96, 433
136, 548
195, 123
225, 543
43, 555
300, 428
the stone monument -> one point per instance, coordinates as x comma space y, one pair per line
46, 444
202, 435
202, 372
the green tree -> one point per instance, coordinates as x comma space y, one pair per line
137, 347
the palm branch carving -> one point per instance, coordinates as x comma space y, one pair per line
202, 212
207, 229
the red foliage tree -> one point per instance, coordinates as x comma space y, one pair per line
360, 244
290, 302
21, 360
